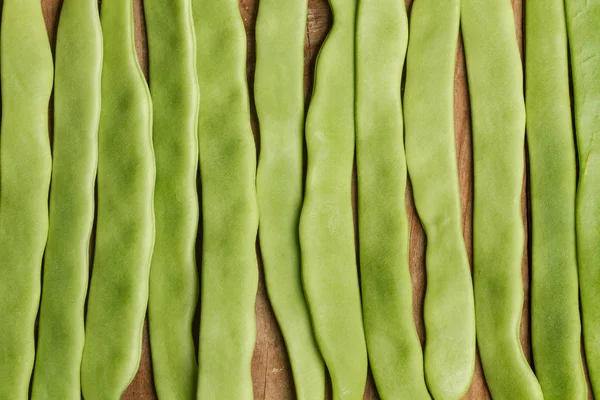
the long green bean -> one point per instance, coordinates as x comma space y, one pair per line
173, 276
430, 152
326, 226
395, 352
583, 26
278, 90
75, 157
25, 167
498, 116
229, 206
125, 225
555, 323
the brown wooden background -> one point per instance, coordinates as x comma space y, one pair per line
270, 367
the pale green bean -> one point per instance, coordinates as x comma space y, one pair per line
430, 152
498, 119
326, 225
173, 275
25, 167
118, 294
278, 89
555, 323
229, 207
395, 353
75, 159
583, 26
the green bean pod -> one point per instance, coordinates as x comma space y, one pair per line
118, 294
431, 156
229, 207
395, 353
326, 223
78, 67
25, 167
555, 323
279, 95
583, 27
495, 78
173, 274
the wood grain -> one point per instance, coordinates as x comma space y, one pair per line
270, 366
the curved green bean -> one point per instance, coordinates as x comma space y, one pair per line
229, 207
583, 26
431, 156
395, 353
279, 95
326, 227
25, 168
125, 224
498, 118
555, 326
75, 150
173, 275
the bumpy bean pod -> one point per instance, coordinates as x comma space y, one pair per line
395, 353
498, 116
555, 323
278, 90
173, 275
326, 227
583, 25
229, 207
430, 152
125, 226
75, 151
25, 167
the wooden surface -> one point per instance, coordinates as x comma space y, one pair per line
270, 367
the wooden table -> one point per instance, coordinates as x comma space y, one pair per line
270, 367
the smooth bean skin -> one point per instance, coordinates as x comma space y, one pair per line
555, 323
173, 274
227, 152
326, 227
78, 67
583, 26
279, 96
449, 312
498, 119
26, 75
395, 353
118, 294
